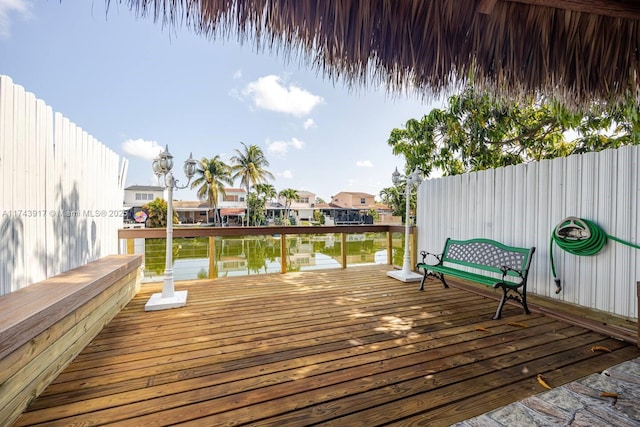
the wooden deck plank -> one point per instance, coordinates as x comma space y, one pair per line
344, 343
468, 407
370, 404
339, 347
482, 379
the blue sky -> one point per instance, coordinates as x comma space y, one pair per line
137, 86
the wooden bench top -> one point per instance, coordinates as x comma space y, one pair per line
28, 311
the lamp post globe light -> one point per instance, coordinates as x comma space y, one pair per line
406, 275
162, 166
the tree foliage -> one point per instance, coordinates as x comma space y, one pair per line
289, 195
264, 193
477, 132
250, 166
256, 209
394, 198
157, 211
211, 177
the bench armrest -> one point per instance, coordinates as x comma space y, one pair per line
424, 255
504, 269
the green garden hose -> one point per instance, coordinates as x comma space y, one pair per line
580, 237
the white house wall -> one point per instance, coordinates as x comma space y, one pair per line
62, 192
521, 205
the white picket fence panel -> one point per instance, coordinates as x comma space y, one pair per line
521, 205
62, 192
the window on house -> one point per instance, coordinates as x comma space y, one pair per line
303, 200
363, 201
144, 196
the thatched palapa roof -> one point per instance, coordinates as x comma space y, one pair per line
579, 50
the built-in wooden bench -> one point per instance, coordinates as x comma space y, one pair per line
44, 326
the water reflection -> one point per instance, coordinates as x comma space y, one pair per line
250, 255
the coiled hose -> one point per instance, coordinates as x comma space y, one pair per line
581, 237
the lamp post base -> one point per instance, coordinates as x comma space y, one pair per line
156, 302
405, 276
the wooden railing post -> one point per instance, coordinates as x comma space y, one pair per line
343, 249
212, 258
283, 253
389, 247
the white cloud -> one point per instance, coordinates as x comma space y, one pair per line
296, 143
21, 7
282, 147
147, 150
277, 147
285, 174
269, 94
364, 164
237, 75
309, 123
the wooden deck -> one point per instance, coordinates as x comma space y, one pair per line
339, 347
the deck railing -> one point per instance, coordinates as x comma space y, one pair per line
211, 252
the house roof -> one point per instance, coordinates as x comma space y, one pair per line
354, 194
145, 188
577, 50
232, 211
381, 207
190, 205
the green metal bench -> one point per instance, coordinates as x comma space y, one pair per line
486, 262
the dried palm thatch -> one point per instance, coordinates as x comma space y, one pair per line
576, 50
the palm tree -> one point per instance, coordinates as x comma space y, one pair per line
289, 195
394, 198
249, 165
267, 191
211, 177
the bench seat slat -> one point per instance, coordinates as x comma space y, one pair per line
469, 275
485, 280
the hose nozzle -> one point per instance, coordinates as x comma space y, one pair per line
558, 285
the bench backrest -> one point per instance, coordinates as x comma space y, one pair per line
488, 255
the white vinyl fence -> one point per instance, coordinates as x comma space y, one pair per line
521, 206
62, 192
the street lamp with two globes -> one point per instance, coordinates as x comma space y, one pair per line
162, 166
406, 275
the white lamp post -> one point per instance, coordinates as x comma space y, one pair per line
162, 166
406, 275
